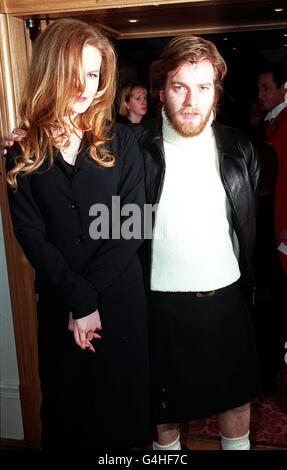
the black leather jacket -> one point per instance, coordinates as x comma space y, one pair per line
239, 168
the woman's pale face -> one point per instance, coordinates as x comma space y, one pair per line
91, 64
137, 104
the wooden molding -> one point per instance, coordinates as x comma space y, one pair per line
34, 7
197, 30
7, 104
2, 6
156, 17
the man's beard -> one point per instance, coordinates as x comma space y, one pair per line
187, 129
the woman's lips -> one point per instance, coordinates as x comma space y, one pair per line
82, 99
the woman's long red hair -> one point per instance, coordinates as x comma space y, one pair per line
55, 78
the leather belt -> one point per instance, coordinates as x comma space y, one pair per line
200, 295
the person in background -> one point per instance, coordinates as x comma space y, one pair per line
92, 312
272, 95
272, 82
132, 102
202, 176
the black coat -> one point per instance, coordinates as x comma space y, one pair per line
89, 400
239, 170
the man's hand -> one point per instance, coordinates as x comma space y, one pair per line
84, 329
8, 141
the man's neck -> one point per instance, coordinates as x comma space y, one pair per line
172, 136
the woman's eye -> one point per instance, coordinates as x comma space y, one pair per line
92, 75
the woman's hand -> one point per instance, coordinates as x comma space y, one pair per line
8, 141
84, 329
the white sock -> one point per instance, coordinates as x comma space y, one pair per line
237, 443
175, 445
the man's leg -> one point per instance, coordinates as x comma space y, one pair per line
167, 437
234, 428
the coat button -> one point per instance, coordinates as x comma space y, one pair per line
75, 205
81, 238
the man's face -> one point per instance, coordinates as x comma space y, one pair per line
188, 97
268, 93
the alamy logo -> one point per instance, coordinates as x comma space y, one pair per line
130, 221
127, 221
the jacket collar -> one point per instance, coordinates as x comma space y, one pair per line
225, 138
152, 140
152, 132
275, 111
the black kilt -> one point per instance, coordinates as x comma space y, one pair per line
203, 354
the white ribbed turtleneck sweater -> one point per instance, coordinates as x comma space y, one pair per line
193, 248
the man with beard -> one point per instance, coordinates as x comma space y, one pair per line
202, 176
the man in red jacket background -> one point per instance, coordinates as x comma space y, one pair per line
272, 93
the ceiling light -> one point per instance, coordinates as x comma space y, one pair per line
225, 39
277, 10
133, 20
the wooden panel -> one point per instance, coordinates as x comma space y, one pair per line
8, 113
203, 18
19, 56
160, 18
2, 6
20, 273
38, 6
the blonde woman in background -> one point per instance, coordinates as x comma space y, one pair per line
133, 102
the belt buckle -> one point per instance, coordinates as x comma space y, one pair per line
200, 295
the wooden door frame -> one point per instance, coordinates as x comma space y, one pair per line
13, 66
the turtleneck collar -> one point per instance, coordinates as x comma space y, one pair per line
172, 137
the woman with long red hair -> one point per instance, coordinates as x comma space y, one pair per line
93, 348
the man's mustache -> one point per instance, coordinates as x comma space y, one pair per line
189, 110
